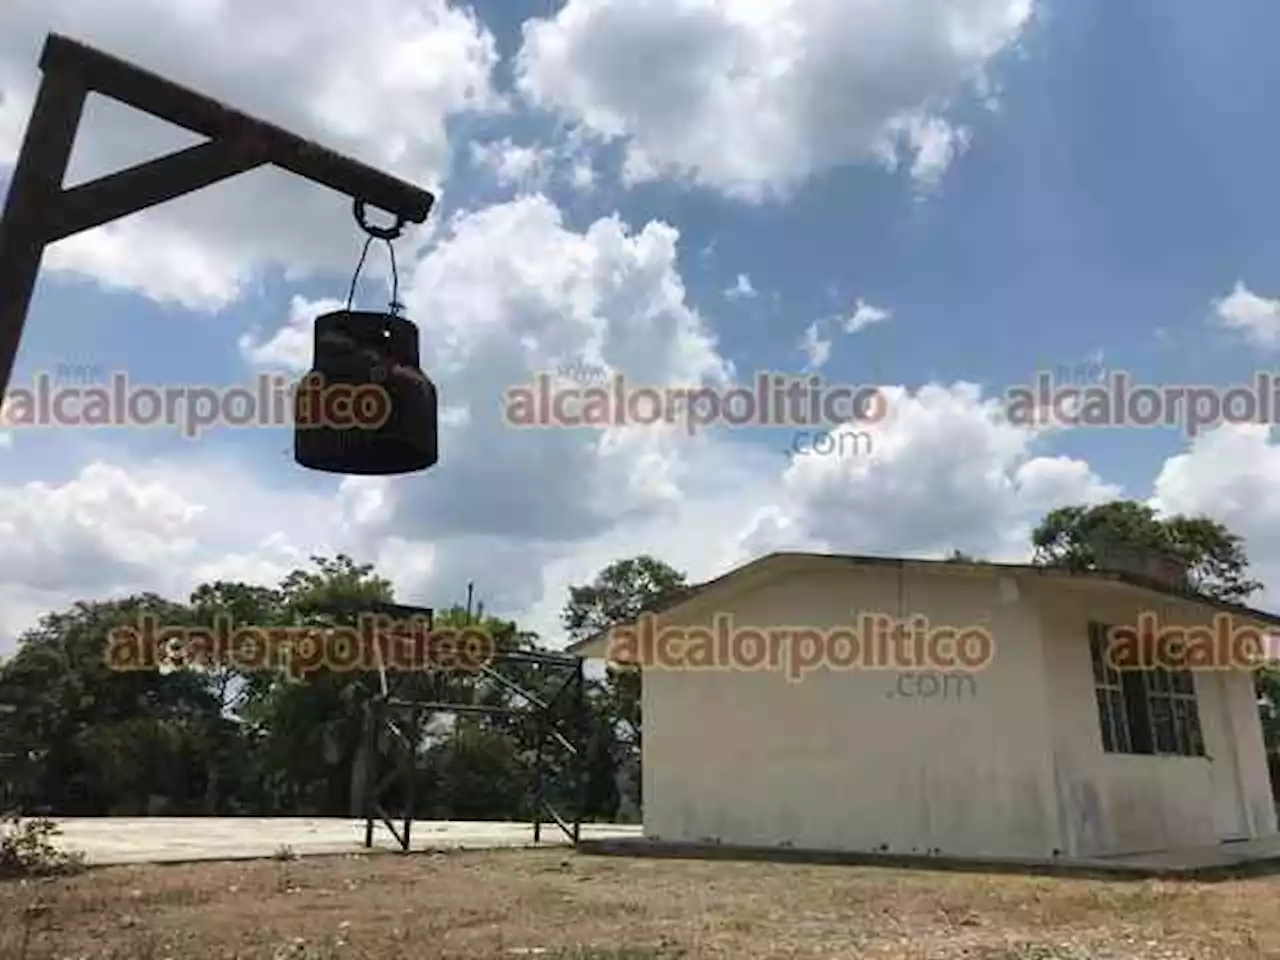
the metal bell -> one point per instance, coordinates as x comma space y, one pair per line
366, 407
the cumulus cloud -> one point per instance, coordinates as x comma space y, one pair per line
1227, 474
816, 347
512, 290
865, 315
531, 168
749, 99
511, 163
816, 343
1254, 317
113, 529
507, 293
945, 469
377, 82
742, 289
752, 99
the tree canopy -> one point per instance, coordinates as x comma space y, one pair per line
1216, 559
215, 738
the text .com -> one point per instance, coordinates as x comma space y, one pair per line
830, 443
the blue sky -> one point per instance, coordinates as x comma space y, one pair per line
1114, 189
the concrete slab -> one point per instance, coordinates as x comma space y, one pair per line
119, 840
1233, 858
1220, 862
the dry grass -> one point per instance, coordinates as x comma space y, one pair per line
553, 905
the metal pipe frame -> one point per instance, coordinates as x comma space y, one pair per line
39, 211
386, 710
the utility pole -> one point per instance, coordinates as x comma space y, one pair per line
38, 211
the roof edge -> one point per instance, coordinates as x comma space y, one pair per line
594, 646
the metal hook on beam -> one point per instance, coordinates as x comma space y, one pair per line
381, 233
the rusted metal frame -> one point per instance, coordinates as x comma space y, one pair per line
538, 709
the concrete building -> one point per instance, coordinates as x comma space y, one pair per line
1041, 751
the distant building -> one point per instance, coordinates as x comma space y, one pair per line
1058, 754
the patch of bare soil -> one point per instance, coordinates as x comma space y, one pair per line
554, 905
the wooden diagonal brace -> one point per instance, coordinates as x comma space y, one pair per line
147, 184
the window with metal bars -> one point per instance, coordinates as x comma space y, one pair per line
1144, 711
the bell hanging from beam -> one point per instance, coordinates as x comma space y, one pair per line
366, 408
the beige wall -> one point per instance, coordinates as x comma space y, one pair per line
839, 761
1117, 803
1010, 763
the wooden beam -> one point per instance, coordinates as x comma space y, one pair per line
147, 184
153, 94
38, 211
33, 192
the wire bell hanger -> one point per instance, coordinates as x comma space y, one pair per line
387, 234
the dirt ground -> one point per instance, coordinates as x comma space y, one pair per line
557, 905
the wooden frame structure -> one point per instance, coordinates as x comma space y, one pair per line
39, 211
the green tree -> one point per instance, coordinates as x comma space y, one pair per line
207, 737
1216, 558
92, 740
619, 594
309, 733
233, 782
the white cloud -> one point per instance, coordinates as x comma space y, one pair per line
932, 143
816, 348
865, 315
726, 99
532, 168
511, 290
945, 470
111, 530
582, 175
816, 343
1255, 317
376, 82
508, 292
512, 164
752, 99
1229, 474
741, 289
290, 347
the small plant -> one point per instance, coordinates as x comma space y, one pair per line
27, 849
284, 853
